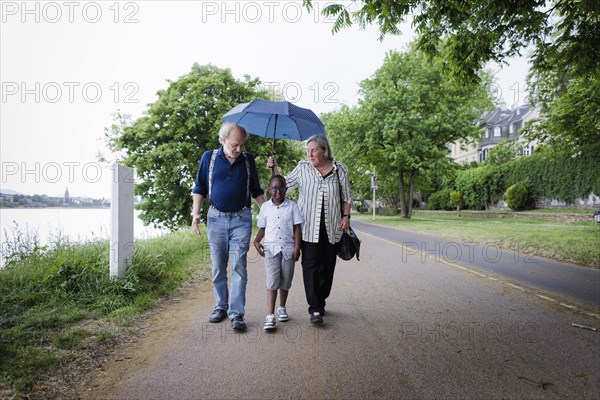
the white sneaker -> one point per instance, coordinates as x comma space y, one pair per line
269, 322
282, 314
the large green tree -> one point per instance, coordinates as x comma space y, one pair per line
166, 143
570, 106
563, 37
408, 115
477, 31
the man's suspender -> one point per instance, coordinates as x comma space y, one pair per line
210, 176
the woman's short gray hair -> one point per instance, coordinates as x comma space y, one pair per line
225, 131
323, 143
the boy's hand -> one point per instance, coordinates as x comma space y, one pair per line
260, 248
296, 254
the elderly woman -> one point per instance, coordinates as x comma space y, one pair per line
324, 201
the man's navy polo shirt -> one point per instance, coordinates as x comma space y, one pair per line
229, 181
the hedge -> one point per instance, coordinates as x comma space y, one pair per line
562, 176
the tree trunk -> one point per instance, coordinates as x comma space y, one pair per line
406, 198
411, 192
404, 210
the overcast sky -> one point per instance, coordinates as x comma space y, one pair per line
65, 67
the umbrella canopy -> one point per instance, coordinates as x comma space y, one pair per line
275, 120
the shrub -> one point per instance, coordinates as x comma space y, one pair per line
440, 200
518, 197
456, 200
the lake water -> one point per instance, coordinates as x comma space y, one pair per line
78, 224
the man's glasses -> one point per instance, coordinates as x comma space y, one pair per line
279, 189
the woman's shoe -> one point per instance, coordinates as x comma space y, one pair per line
316, 318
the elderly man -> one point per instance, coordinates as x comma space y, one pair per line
227, 177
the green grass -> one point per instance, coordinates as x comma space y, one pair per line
47, 292
577, 242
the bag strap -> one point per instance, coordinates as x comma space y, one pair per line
210, 176
340, 184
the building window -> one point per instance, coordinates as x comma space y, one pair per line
497, 131
526, 151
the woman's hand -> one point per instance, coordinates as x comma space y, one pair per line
271, 162
344, 223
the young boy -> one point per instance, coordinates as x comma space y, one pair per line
280, 222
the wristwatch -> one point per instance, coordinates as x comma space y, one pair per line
346, 215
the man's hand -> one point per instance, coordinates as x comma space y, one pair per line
195, 225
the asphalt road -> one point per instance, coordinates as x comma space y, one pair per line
399, 325
577, 282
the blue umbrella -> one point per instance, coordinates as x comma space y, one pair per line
275, 120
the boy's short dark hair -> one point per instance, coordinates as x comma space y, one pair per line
275, 177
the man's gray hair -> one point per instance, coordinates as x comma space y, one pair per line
323, 143
225, 131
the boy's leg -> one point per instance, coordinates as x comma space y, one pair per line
271, 298
283, 294
287, 274
273, 272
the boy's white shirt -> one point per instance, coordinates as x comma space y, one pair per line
279, 222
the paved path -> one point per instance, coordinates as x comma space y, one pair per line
396, 328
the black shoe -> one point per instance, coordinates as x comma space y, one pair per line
238, 323
316, 319
217, 316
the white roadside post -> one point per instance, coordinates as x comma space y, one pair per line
121, 210
374, 186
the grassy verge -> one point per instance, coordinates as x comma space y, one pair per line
576, 242
58, 302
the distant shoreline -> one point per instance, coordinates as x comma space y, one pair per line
56, 207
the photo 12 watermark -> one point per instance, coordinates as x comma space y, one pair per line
294, 92
469, 331
54, 12
253, 12
289, 332
69, 92
55, 172
460, 252
516, 92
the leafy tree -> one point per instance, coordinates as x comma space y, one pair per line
570, 106
477, 32
408, 115
166, 143
505, 151
563, 36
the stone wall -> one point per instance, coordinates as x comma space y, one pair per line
592, 202
563, 217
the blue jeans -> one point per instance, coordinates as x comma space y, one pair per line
229, 239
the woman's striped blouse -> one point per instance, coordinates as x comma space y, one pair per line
316, 191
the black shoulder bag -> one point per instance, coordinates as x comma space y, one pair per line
349, 243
